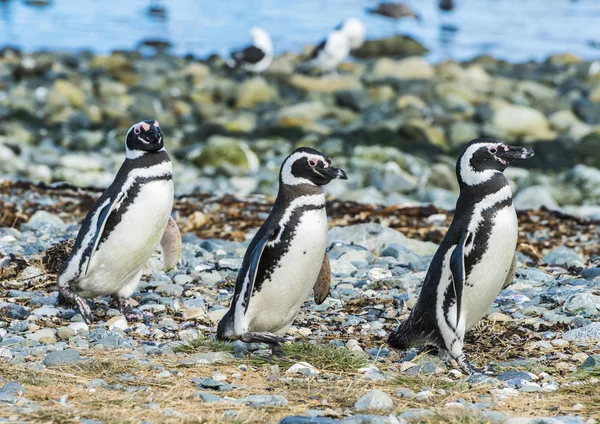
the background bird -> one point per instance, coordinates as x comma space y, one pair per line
354, 29
394, 11
476, 258
329, 53
256, 57
286, 258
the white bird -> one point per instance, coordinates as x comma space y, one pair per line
256, 57
354, 29
331, 51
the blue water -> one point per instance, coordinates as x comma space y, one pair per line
515, 30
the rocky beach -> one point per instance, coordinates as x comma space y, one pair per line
396, 125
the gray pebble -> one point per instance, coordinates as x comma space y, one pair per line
374, 400
61, 357
259, 401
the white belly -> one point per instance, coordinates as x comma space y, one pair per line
275, 306
487, 277
121, 257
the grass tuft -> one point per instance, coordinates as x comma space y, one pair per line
202, 344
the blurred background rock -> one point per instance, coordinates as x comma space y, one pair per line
75, 75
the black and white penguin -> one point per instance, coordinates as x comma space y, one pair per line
476, 258
257, 57
125, 226
286, 259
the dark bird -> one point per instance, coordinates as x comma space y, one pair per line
395, 11
446, 5
157, 10
476, 258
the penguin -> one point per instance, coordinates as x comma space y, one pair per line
286, 259
257, 57
124, 227
476, 258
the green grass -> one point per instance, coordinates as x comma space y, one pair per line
324, 358
202, 344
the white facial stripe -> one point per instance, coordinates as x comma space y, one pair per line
313, 199
467, 173
286, 171
487, 202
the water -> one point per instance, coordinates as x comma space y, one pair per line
516, 30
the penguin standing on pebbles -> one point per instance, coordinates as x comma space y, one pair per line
124, 227
476, 258
286, 259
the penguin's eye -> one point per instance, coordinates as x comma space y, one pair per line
137, 130
493, 150
313, 162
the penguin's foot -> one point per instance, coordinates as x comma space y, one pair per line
268, 338
128, 312
466, 366
70, 296
277, 350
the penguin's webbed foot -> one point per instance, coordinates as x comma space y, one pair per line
70, 296
128, 312
268, 338
466, 366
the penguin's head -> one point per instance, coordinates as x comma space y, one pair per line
145, 136
484, 157
309, 166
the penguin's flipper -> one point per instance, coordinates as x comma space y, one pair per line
457, 267
103, 212
511, 272
321, 288
171, 245
255, 256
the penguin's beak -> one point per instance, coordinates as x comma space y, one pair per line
154, 135
332, 172
510, 153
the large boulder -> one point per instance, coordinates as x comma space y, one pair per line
230, 154
398, 45
410, 68
254, 91
522, 122
326, 84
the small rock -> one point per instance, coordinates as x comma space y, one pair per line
61, 357
303, 368
589, 333
416, 414
259, 401
207, 358
118, 322
564, 257
374, 400
12, 388
592, 361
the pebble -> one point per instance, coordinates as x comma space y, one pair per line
374, 400
62, 357
207, 358
261, 401
589, 333
416, 414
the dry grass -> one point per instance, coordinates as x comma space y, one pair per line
340, 384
